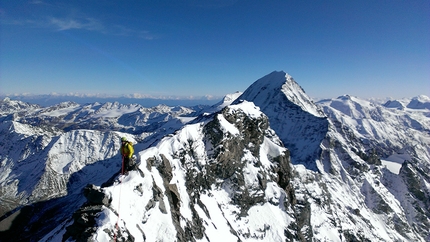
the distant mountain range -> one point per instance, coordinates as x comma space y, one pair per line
268, 164
47, 100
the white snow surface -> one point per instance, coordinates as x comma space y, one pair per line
374, 123
394, 162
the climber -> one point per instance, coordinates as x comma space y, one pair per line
127, 151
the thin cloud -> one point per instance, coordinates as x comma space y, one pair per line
124, 31
87, 24
37, 2
147, 35
61, 18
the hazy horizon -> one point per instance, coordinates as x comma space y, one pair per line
49, 99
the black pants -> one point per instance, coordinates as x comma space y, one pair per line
128, 164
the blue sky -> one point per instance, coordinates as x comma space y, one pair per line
215, 47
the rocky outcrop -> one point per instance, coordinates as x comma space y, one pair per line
228, 156
84, 225
84, 218
416, 178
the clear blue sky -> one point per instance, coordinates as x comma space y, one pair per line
366, 48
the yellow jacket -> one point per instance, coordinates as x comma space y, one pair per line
127, 149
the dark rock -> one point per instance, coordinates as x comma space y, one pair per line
96, 196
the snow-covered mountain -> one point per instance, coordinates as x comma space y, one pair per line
267, 164
299, 123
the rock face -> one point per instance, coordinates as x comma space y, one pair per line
84, 219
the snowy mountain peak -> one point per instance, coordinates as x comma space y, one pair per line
286, 104
420, 102
394, 104
8, 106
422, 98
276, 87
227, 100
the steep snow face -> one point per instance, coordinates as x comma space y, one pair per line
43, 171
378, 127
382, 154
37, 164
294, 92
299, 123
226, 177
70, 154
20, 147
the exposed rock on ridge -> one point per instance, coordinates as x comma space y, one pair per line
232, 166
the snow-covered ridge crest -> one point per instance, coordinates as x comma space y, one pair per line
295, 93
220, 182
227, 100
351, 106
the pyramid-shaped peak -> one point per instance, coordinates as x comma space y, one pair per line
292, 114
276, 88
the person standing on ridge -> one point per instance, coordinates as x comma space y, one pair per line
127, 151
